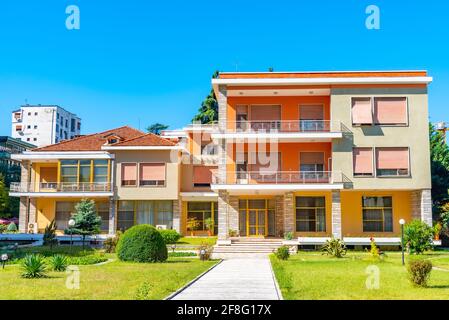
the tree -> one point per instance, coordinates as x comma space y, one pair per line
156, 128
439, 155
208, 111
87, 222
4, 198
418, 236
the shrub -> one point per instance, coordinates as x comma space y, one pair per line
50, 234
170, 236
206, 250
86, 260
282, 253
142, 243
288, 235
110, 244
33, 266
418, 236
58, 262
419, 272
143, 292
12, 227
182, 254
334, 247
233, 233
2, 228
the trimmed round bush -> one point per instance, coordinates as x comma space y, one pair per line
142, 243
170, 236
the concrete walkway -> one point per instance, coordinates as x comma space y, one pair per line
234, 279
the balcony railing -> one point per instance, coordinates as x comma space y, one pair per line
60, 187
303, 126
281, 177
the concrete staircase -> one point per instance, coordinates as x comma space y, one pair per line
247, 248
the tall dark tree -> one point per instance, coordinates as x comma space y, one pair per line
208, 111
156, 128
439, 155
4, 199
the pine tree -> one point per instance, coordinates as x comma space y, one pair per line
208, 112
87, 222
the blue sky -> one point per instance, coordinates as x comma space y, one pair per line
138, 62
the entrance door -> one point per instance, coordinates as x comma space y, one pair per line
256, 222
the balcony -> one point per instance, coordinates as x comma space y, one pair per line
279, 181
61, 189
284, 130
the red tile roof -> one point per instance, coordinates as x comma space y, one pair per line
146, 140
92, 142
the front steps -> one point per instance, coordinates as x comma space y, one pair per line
248, 248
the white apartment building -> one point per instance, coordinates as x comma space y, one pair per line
43, 125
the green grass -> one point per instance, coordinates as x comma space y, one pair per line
310, 275
197, 241
114, 280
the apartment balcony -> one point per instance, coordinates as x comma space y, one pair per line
283, 130
61, 189
277, 182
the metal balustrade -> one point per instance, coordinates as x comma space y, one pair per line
60, 187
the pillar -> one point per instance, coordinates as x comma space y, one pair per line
336, 215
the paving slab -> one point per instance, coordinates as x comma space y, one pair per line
234, 279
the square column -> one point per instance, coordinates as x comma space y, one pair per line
223, 230
279, 206
421, 205
289, 213
336, 215
23, 214
112, 216
177, 213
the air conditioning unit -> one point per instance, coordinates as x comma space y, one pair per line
161, 227
32, 227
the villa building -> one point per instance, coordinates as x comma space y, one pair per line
312, 155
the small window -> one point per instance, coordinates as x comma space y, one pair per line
28, 127
129, 174
34, 139
28, 139
392, 162
152, 174
29, 113
390, 111
35, 113
363, 161
35, 127
377, 214
310, 214
362, 111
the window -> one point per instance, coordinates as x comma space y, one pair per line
34, 139
35, 113
28, 139
125, 215
377, 214
363, 161
241, 117
310, 214
129, 174
29, 113
64, 211
311, 161
66, 123
144, 212
202, 211
69, 171
57, 127
361, 111
391, 111
103, 213
152, 174
35, 127
28, 127
311, 117
85, 171
57, 116
202, 176
72, 125
265, 117
392, 162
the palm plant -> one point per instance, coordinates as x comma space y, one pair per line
33, 266
59, 262
334, 247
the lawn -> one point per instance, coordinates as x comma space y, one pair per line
113, 280
196, 241
310, 275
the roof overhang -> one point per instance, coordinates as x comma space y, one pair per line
199, 196
123, 148
320, 81
35, 155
